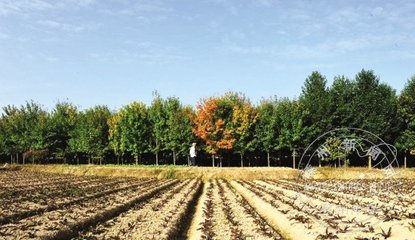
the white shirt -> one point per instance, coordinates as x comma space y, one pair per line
193, 151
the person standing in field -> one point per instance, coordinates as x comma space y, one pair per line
193, 154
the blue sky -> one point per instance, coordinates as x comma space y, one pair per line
113, 52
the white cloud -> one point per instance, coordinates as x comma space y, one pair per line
67, 27
147, 7
142, 57
122, 12
8, 7
84, 3
368, 45
263, 3
11, 6
143, 52
150, 7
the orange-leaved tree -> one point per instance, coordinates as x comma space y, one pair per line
244, 117
210, 126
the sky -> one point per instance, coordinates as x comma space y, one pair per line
113, 52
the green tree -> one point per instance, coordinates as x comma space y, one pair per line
33, 130
59, 127
342, 94
179, 127
10, 130
375, 106
135, 129
244, 117
335, 146
116, 140
157, 117
266, 129
90, 134
315, 100
406, 114
23, 129
290, 115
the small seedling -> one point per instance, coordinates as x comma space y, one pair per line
387, 234
361, 224
343, 230
350, 220
327, 235
370, 229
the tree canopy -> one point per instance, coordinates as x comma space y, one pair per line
227, 126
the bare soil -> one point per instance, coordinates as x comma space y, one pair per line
41, 205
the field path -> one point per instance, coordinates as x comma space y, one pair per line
194, 233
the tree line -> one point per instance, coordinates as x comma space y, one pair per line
227, 127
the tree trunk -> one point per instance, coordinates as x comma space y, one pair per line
213, 160
345, 159
174, 157
319, 162
157, 158
33, 159
188, 160
23, 158
118, 159
136, 159
242, 160
11, 159
220, 162
17, 158
404, 161
294, 158
370, 162
268, 159
100, 160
